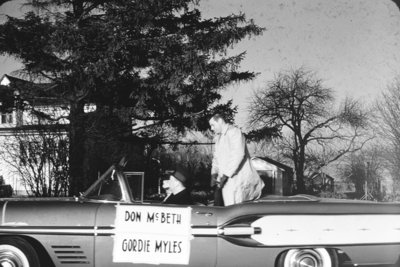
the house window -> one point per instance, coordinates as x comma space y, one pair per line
6, 118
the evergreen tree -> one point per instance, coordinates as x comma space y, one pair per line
159, 60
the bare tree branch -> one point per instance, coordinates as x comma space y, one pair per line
298, 103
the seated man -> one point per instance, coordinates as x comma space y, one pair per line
176, 189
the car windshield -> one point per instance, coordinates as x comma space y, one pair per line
106, 188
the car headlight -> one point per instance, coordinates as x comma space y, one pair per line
307, 257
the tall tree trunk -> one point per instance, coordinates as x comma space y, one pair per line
301, 188
77, 149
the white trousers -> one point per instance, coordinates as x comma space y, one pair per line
233, 192
230, 194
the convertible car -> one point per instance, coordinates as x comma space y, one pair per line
106, 227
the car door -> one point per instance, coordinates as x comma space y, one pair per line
142, 234
62, 227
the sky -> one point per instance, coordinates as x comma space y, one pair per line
352, 45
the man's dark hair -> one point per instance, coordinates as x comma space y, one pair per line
227, 118
217, 116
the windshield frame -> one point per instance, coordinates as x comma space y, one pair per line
119, 175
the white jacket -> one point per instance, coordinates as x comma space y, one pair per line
231, 158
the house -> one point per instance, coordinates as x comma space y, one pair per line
25, 111
34, 119
29, 110
322, 182
28, 114
278, 177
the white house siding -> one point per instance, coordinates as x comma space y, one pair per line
7, 134
9, 175
20, 118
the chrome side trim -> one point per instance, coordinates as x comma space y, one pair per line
3, 213
70, 254
205, 231
85, 231
226, 231
235, 231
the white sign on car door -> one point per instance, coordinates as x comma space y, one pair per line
152, 235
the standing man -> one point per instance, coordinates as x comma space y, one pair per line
231, 166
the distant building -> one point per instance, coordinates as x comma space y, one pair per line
322, 182
278, 177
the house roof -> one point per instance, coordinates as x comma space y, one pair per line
276, 163
6, 80
34, 93
322, 175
